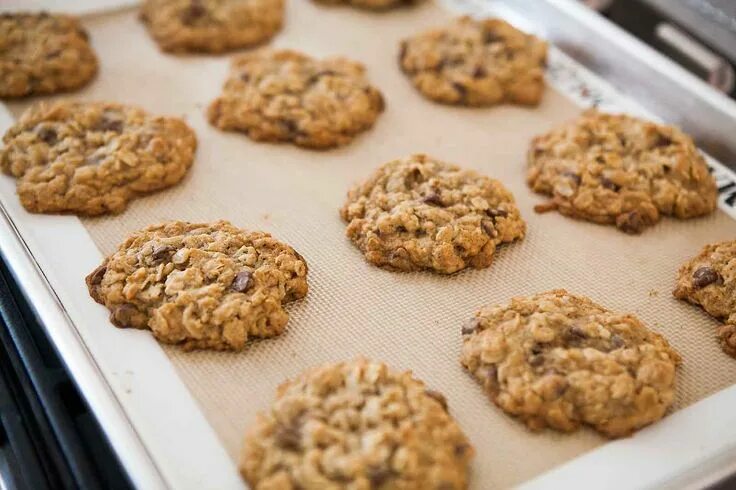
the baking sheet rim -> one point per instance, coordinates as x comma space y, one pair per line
708, 426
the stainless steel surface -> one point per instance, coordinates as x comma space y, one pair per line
717, 71
659, 84
712, 20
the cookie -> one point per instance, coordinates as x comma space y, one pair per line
43, 54
356, 425
709, 280
558, 360
421, 213
91, 158
211, 26
476, 63
200, 285
620, 170
285, 96
372, 4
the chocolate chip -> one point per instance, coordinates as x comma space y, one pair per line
242, 281
705, 276
161, 252
609, 184
536, 349
489, 227
378, 475
122, 315
245, 76
433, 199
461, 449
437, 396
289, 126
662, 141
460, 89
632, 222
666, 168
97, 275
53, 54
413, 178
479, 72
490, 37
470, 326
288, 437
496, 213
48, 135
577, 332
193, 12
491, 381
572, 176
109, 124
617, 341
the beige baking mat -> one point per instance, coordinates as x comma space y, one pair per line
411, 321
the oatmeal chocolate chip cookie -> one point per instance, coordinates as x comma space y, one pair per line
200, 285
476, 63
211, 26
420, 213
709, 280
558, 360
372, 4
356, 425
288, 96
91, 158
617, 169
43, 54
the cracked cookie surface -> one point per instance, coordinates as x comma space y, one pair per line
372, 4
709, 280
558, 360
91, 158
200, 285
43, 54
476, 63
211, 26
285, 96
620, 170
420, 213
358, 425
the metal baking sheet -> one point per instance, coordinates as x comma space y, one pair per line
177, 418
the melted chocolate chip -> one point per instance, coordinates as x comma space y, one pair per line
617, 341
193, 12
632, 222
536, 349
245, 76
479, 72
460, 89
491, 37
705, 276
662, 141
122, 315
470, 326
536, 360
242, 281
288, 437
437, 396
572, 176
433, 199
609, 184
577, 332
97, 275
413, 178
497, 213
378, 475
48, 135
109, 124
489, 227
161, 252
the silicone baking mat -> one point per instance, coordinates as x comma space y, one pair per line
411, 321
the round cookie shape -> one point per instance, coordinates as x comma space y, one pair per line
356, 424
286, 96
91, 158
200, 285
709, 280
476, 63
620, 170
419, 213
558, 360
211, 26
372, 4
43, 54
